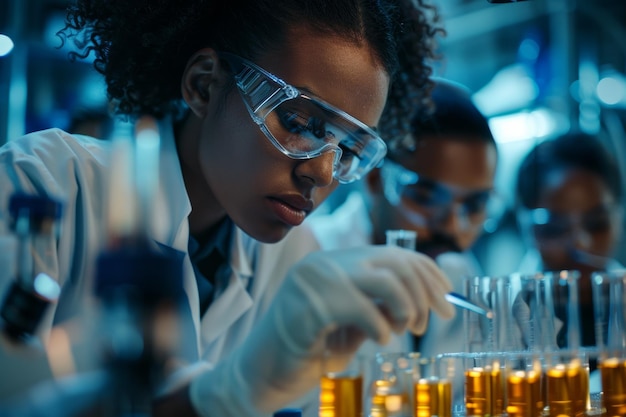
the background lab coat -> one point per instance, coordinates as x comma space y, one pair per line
74, 169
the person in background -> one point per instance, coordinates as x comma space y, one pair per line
264, 108
436, 181
569, 192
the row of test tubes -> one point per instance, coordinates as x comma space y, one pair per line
516, 384
559, 341
513, 383
551, 349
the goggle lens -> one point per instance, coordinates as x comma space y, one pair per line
433, 199
549, 225
304, 127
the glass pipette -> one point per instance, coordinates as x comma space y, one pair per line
463, 302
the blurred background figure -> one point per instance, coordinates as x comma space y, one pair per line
569, 192
436, 182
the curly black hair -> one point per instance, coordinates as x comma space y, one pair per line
142, 46
451, 112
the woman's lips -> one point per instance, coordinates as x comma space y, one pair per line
287, 213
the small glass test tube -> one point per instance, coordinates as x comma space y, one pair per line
402, 238
609, 292
390, 393
341, 385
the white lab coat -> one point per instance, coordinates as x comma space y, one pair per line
74, 169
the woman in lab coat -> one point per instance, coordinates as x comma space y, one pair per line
264, 108
569, 191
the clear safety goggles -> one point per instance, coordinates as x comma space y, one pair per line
305, 127
426, 202
548, 225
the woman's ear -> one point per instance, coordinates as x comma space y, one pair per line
200, 80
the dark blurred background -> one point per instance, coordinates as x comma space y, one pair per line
537, 68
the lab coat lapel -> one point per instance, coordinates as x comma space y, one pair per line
235, 300
170, 227
225, 310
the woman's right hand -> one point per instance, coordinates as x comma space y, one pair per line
370, 291
376, 289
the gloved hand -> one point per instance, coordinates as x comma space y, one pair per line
364, 292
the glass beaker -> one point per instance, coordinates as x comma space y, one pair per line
548, 312
495, 293
534, 314
572, 327
609, 295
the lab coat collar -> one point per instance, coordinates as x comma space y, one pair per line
235, 299
170, 226
242, 253
173, 189
173, 206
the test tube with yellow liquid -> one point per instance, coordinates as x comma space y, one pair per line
609, 293
568, 386
390, 391
484, 388
524, 394
432, 389
341, 396
341, 385
433, 397
387, 400
613, 376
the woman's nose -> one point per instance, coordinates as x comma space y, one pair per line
319, 170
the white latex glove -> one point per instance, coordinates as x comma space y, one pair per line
365, 292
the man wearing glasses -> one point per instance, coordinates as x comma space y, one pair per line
436, 182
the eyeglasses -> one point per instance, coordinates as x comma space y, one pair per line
302, 126
433, 199
550, 225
